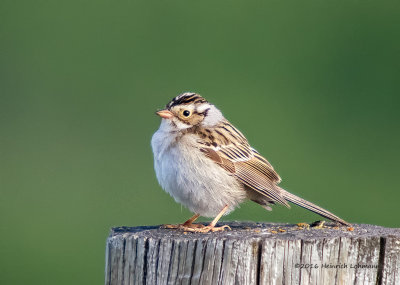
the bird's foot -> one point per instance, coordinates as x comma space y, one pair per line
208, 229
197, 228
184, 226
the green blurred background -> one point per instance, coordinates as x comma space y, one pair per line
314, 86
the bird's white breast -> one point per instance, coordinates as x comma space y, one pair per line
193, 179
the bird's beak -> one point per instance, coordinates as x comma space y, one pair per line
165, 114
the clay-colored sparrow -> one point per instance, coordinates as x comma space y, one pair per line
207, 165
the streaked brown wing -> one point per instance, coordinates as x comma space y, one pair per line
265, 167
250, 168
228, 147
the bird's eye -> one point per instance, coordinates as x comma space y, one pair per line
186, 113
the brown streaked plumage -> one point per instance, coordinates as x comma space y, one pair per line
199, 126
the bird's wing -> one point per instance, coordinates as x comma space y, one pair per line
237, 157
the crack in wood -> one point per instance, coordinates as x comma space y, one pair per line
381, 260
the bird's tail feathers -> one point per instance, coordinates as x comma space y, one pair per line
312, 207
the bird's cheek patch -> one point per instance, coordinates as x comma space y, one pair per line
181, 124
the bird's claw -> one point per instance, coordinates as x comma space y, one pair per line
183, 226
197, 228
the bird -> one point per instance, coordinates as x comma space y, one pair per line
206, 164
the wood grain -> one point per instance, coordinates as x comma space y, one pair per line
254, 253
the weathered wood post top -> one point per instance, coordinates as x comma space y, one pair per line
254, 253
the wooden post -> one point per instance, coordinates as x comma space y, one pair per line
254, 253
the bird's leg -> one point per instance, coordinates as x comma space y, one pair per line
185, 225
191, 220
211, 227
216, 219
188, 226
189, 223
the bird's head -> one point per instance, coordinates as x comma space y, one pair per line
188, 110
